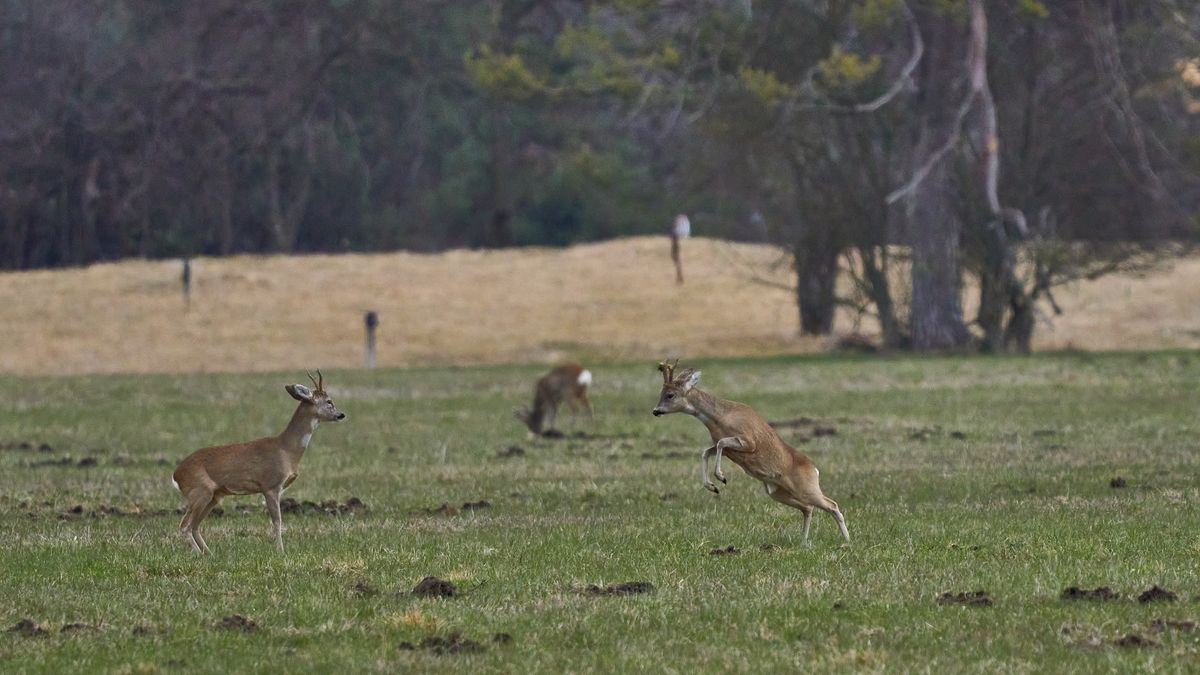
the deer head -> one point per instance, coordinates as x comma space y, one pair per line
529, 417
318, 398
676, 386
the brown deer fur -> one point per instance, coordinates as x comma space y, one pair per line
787, 474
567, 383
266, 466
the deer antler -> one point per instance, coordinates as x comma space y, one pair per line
319, 384
667, 369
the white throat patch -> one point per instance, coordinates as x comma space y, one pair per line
304, 440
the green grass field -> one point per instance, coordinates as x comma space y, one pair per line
955, 474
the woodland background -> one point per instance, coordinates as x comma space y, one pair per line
922, 147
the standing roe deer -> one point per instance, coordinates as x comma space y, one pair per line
568, 382
787, 474
266, 466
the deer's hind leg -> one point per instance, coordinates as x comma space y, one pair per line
200, 519
587, 403
198, 499
782, 496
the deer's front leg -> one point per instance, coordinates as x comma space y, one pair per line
732, 442
708, 484
272, 499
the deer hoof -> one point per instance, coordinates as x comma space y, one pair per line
721, 477
712, 488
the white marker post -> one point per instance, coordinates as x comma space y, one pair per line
680, 229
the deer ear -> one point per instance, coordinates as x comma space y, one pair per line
691, 381
299, 392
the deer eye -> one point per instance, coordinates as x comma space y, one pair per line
670, 396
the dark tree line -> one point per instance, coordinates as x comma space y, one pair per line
1017, 144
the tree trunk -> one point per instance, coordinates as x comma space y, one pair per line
935, 229
875, 271
995, 282
1018, 334
937, 321
285, 219
816, 274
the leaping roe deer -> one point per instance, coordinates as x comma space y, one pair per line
266, 466
787, 474
567, 383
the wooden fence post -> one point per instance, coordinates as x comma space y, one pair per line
371, 320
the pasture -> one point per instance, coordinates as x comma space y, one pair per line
955, 475
609, 301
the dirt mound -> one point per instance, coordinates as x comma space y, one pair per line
626, 588
1134, 641
1182, 625
448, 509
728, 550
27, 628
26, 446
108, 511
1117, 482
237, 622
433, 587
1098, 593
329, 507
1156, 593
969, 598
454, 643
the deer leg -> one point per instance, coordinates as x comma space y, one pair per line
272, 499
186, 531
708, 484
587, 402
730, 442
200, 519
829, 506
783, 496
197, 499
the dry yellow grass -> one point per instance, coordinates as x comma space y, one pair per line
614, 299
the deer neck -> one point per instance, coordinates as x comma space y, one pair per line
537, 414
707, 408
299, 431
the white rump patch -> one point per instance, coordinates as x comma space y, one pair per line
585, 378
175, 484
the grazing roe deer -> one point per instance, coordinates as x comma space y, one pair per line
568, 382
787, 474
266, 466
